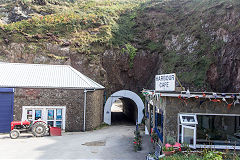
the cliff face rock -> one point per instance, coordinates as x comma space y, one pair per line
197, 40
201, 41
25, 53
111, 68
121, 75
228, 66
14, 11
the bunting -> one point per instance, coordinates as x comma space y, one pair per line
184, 96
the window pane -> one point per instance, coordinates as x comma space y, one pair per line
50, 123
29, 117
29, 111
59, 114
38, 114
188, 136
59, 124
188, 119
50, 114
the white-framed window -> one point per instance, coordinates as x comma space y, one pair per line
187, 129
208, 130
189, 135
52, 115
188, 119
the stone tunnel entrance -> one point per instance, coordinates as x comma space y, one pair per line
123, 107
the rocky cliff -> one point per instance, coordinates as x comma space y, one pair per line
124, 44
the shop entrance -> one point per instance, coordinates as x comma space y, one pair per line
123, 106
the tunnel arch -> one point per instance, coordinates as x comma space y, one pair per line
119, 95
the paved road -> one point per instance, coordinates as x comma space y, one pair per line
112, 142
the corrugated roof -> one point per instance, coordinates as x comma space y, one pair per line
22, 75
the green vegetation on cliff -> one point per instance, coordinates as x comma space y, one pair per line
91, 26
188, 35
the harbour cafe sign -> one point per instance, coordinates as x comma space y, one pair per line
165, 82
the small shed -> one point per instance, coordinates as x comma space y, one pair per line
57, 94
6, 108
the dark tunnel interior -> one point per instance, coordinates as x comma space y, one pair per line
129, 113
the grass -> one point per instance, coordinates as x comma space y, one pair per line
131, 51
181, 156
101, 126
206, 154
88, 23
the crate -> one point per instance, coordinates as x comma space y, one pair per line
55, 131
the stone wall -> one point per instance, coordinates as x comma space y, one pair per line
72, 99
94, 110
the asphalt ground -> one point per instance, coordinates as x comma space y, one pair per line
112, 142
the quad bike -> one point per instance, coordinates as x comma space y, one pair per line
38, 128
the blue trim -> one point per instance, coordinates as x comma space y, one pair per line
7, 90
160, 136
6, 109
156, 124
162, 119
12, 104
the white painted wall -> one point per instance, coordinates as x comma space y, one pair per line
123, 94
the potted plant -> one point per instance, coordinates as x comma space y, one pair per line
137, 141
171, 140
154, 136
185, 147
168, 151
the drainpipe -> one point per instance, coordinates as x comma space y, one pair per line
84, 108
105, 97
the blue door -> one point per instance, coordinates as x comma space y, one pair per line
6, 109
159, 124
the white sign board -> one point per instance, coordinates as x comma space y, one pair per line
165, 82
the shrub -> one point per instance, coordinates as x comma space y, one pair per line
213, 155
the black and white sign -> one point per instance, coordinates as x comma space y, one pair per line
165, 82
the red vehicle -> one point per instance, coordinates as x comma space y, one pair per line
38, 128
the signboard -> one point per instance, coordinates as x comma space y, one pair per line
165, 82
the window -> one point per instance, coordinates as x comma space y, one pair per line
29, 115
189, 135
188, 119
52, 115
187, 129
202, 130
59, 118
38, 114
59, 114
55, 117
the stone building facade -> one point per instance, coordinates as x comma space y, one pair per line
221, 114
72, 99
173, 106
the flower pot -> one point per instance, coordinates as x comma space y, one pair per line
139, 148
168, 153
